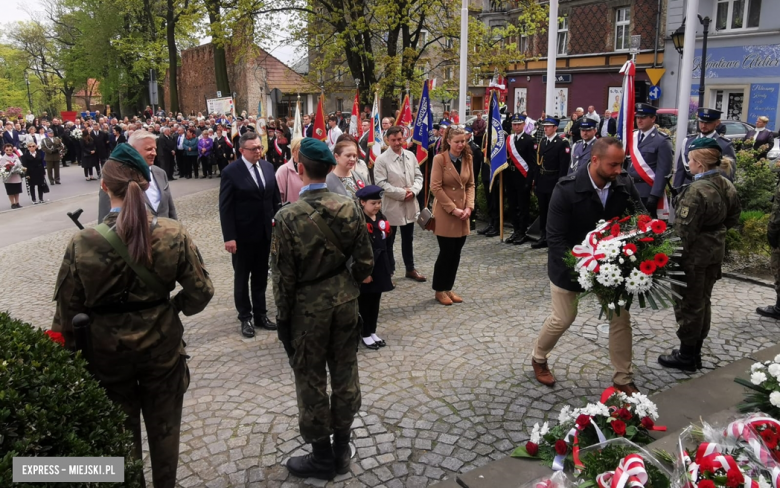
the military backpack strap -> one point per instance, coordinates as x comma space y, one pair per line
142, 271
315, 217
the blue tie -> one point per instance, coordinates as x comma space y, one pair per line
257, 177
641, 136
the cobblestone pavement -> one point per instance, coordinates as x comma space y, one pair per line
452, 390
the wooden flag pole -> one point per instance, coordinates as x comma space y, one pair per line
501, 205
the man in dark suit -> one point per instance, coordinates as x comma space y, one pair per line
101, 145
248, 201
11, 135
553, 159
761, 135
607, 126
602, 190
166, 152
308, 127
521, 149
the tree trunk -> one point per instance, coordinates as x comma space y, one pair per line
220, 62
173, 82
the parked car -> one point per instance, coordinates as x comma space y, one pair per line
774, 154
736, 129
472, 118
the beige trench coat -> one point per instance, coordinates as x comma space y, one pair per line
394, 173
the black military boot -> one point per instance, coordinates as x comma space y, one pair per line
319, 464
683, 359
511, 238
772, 311
342, 451
485, 230
697, 357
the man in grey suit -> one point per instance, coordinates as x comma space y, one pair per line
158, 196
655, 148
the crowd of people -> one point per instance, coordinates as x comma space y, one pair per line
322, 216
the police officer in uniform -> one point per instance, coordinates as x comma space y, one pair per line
656, 149
704, 211
317, 310
553, 159
580, 152
518, 185
709, 119
137, 351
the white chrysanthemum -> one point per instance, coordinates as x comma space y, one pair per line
757, 377
535, 436
565, 414
774, 398
774, 370
609, 275
638, 282
756, 367
585, 279
621, 261
545, 428
611, 306
632, 259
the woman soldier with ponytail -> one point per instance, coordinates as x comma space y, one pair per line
120, 274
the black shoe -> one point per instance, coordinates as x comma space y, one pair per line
697, 358
540, 244
511, 238
203, 177
484, 230
771, 311
522, 240
319, 464
262, 321
683, 359
172, 178
373, 346
493, 232
247, 328
380, 343
342, 451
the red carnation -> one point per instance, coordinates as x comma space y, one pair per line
770, 438
706, 484
629, 247
582, 421
658, 226
615, 230
370, 228
561, 448
56, 337
531, 448
647, 267
622, 414
706, 466
734, 478
648, 423
619, 427
643, 219
661, 260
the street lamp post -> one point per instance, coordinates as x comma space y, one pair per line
29, 96
678, 39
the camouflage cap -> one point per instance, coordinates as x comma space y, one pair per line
317, 150
127, 155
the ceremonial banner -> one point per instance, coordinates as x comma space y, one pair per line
298, 126
423, 126
354, 119
375, 134
405, 121
320, 132
625, 121
222, 105
496, 141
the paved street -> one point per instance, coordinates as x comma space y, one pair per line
452, 390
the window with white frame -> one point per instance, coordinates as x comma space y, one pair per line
423, 39
737, 14
448, 43
524, 43
339, 104
448, 73
339, 75
563, 34
623, 29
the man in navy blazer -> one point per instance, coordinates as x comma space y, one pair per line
248, 200
11, 135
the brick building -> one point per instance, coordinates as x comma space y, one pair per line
593, 43
252, 81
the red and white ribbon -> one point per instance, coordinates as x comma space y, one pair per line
515, 157
776, 477
586, 252
630, 473
747, 431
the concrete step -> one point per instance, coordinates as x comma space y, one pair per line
712, 397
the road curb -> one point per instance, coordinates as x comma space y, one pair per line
749, 279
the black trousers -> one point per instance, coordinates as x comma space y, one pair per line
205, 165
446, 268
492, 203
40, 192
368, 304
544, 206
180, 161
518, 188
407, 245
250, 270
190, 166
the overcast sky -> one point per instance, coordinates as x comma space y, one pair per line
20, 10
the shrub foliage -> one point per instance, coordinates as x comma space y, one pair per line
51, 406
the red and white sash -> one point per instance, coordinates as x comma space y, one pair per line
278, 149
648, 176
516, 158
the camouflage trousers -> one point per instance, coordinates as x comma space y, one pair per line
326, 340
693, 312
156, 390
774, 265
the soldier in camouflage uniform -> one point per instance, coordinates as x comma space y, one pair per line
773, 236
317, 311
137, 349
705, 209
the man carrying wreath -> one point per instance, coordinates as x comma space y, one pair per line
602, 191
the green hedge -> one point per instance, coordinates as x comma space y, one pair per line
750, 237
755, 181
51, 406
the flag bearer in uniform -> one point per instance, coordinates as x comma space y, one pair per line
651, 159
521, 149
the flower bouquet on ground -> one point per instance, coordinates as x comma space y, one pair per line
615, 415
619, 463
626, 259
765, 394
557, 480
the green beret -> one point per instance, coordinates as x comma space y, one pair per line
317, 150
127, 155
704, 143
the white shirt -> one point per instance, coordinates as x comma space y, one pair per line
333, 135
153, 194
605, 129
603, 193
646, 133
759, 129
550, 139
252, 172
180, 142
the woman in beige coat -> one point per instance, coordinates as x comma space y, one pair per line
452, 184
